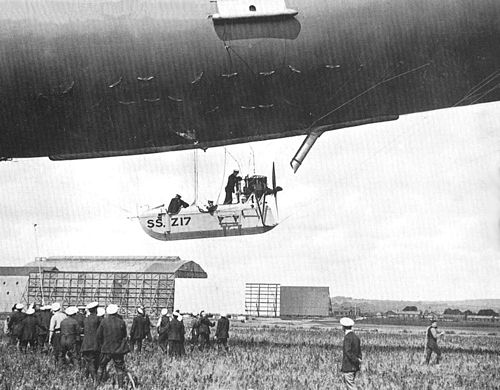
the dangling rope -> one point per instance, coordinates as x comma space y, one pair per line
223, 176
195, 157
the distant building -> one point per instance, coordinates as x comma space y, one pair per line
454, 317
409, 314
477, 318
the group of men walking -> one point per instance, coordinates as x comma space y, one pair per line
101, 336
94, 336
72, 336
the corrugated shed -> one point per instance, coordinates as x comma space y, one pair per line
156, 264
304, 301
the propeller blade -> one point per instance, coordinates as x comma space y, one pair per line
275, 192
274, 178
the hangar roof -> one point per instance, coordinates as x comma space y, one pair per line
23, 271
140, 264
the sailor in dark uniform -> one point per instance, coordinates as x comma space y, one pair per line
232, 180
176, 204
351, 356
112, 337
90, 348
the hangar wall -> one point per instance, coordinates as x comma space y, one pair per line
304, 301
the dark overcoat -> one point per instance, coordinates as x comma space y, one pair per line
15, 323
222, 330
351, 357
175, 330
70, 331
90, 326
140, 328
28, 328
205, 325
112, 335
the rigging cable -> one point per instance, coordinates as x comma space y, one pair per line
223, 175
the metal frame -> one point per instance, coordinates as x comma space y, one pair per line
262, 299
128, 290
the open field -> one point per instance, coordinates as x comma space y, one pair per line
286, 355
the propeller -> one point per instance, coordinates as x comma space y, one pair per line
275, 190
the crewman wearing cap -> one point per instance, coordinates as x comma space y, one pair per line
90, 346
176, 204
14, 325
195, 331
28, 331
43, 319
351, 357
222, 332
232, 181
176, 335
55, 330
431, 346
205, 325
162, 327
139, 330
112, 338
79, 317
70, 334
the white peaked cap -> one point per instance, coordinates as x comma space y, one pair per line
140, 310
346, 321
30, 311
19, 306
112, 309
56, 306
71, 310
164, 312
92, 305
100, 311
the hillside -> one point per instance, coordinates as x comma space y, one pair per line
375, 305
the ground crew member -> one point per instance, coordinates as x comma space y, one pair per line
195, 332
55, 330
112, 338
232, 180
90, 347
149, 337
43, 323
139, 330
28, 331
175, 335
205, 325
351, 356
162, 327
222, 332
176, 204
79, 317
14, 325
431, 342
70, 335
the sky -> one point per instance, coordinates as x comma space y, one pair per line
405, 210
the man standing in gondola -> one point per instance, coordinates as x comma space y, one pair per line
232, 181
176, 204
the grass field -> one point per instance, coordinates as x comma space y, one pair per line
287, 356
